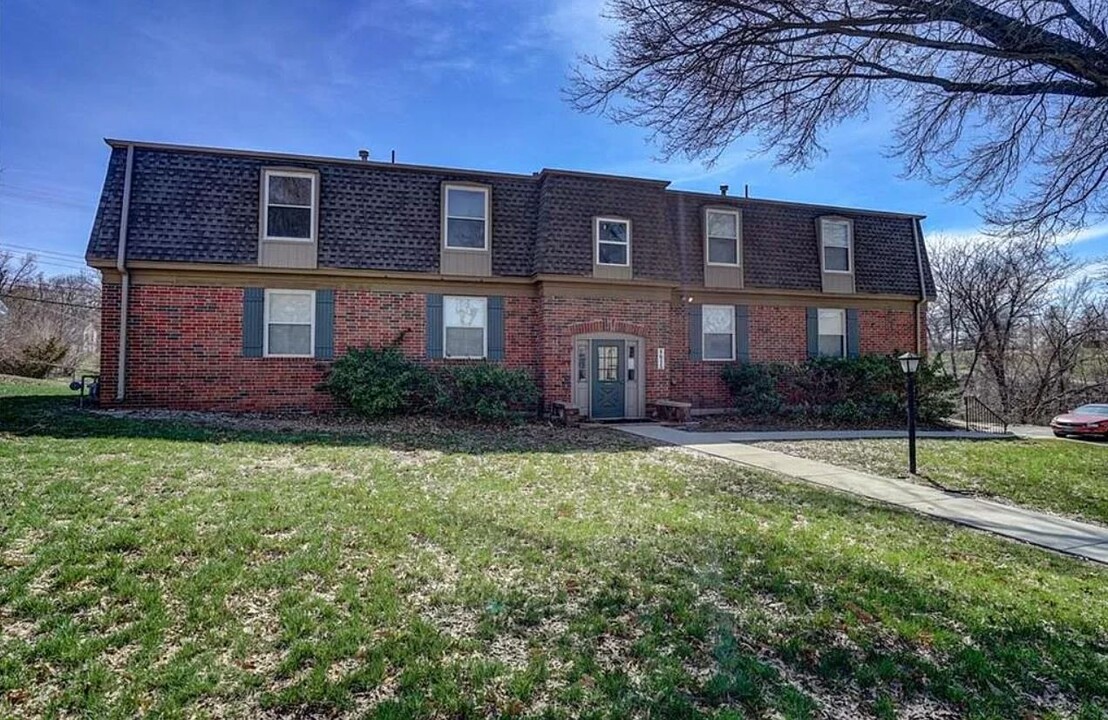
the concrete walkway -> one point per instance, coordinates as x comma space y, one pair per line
1065, 536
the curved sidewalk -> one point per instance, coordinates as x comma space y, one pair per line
1066, 536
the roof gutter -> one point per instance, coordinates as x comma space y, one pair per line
125, 282
917, 236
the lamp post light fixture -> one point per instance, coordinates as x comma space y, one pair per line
909, 363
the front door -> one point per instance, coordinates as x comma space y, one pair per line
608, 362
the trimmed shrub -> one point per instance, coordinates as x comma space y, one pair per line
384, 383
753, 388
848, 391
486, 392
381, 383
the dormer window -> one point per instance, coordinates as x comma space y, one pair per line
466, 217
290, 205
837, 251
613, 241
721, 242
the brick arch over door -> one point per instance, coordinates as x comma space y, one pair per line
606, 325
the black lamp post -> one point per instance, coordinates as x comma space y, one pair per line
909, 363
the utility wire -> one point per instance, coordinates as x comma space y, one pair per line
49, 302
35, 251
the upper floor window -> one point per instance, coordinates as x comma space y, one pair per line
832, 333
465, 327
613, 241
718, 332
289, 323
836, 237
467, 217
722, 242
290, 205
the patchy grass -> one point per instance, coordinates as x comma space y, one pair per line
1067, 478
15, 386
424, 570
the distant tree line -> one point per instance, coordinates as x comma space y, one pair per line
1020, 324
49, 326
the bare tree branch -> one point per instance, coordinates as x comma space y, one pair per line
995, 98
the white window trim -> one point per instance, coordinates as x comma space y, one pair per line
266, 175
703, 352
849, 245
738, 237
484, 329
265, 323
842, 317
446, 188
596, 240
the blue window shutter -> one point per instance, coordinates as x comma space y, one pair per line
813, 332
324, 324
253, 321
853, 340
434, 326
696, 340
742, 333
496, 329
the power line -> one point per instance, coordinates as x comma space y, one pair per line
36, 251
49, 302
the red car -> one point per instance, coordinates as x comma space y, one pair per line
1086, 420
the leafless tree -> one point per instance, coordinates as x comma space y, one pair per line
1016, 327
51, 324
997, 99
15, 271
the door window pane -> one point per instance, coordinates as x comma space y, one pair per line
607, 363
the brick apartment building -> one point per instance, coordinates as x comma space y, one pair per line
232, 279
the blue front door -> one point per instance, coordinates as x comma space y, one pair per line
608, 377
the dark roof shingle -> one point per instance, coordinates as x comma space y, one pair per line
202, 205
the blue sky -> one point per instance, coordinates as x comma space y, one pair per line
455, 83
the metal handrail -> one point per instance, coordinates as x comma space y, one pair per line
981, 417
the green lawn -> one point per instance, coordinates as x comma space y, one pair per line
423, 570
1067, 478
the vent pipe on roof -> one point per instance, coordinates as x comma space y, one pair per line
746, 191
723, 189
393, 157
363, 155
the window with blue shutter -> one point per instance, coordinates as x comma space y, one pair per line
496, 329
253, 321
324, 324
853, 339
696, 348
434, 326
812, 324
742, 333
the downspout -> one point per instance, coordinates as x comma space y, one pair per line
125, 279
917, 235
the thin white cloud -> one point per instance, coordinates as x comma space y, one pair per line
978, 234
579, 26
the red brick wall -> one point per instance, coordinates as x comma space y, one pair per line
185, 346
562, 318
886, 331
